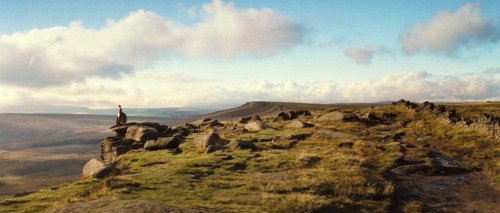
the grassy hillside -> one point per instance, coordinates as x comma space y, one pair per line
293, 169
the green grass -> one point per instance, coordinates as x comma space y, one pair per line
302, 176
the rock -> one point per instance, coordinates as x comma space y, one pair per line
163, 143
282, 116
255, 118
213, 148
255, 126
209, 139
332, 116
157, 126
303, 113
243, 120
234, 144
113, 147
330, 135
97, 169
207, 122
299, 124
370, 116
141, 133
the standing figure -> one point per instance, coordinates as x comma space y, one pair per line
121, 117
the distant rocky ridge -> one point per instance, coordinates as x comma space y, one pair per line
486, 124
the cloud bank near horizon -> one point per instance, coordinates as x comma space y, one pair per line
141, 90
64, 54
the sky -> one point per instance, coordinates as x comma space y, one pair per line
150, 54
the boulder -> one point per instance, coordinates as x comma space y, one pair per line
338, 116
243, 120
97, 169
141, 133
303, 113
163, 143
213, 148
332, 116
255, 118
299, 124
282, 116
112, 147
209, 139
255, 126
234, 144
207, 122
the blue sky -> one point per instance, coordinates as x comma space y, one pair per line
223, 53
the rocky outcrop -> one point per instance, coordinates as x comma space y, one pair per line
141, 133
97, 169
112, 147
147, 135
486, 124
163, 143
291, 115
209, 139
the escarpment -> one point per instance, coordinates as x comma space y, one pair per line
486, 124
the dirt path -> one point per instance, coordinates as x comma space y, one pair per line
428, 182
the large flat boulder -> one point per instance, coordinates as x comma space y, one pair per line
255, 126
338, 116
97, 169
209, 139
163, 143
141, 134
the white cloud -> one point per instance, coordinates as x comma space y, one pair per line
421, 86
447, 32
362, 56
156, 89
65, 54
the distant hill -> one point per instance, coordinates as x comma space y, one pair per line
172, 112
267, 108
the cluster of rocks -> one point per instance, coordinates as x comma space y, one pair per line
486, 124
212, 142
147, 135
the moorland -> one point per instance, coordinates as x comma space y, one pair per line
401, 157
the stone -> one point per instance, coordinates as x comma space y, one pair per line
213, 148
163, 143
97, 169
112, 147
282, 116
234, 144
255, 126
332, 116
255, 118
209, 139
299, 124
141, 133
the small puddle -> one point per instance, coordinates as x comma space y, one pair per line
438, 159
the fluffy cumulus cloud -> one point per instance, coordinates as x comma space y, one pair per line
447, 32
67, 54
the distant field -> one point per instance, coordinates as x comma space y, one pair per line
41, 150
